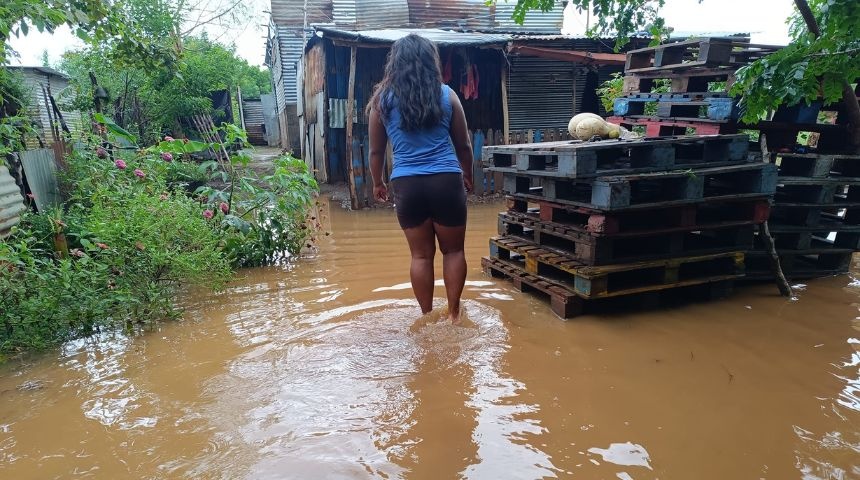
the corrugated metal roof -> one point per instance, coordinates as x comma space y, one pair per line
11, 202
440, 37
42, 70
535, 21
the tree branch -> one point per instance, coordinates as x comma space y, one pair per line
808, 17
841, 52
227, 11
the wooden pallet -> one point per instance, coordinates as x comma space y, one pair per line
696, 53
648, 190
661, 127
697, 80
818, 165
611, 157
834, 233
565, 303
799, 264
702, 215
812, 215
710, 108
592, 282
602, 250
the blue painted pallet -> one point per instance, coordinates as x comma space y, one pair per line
716, 108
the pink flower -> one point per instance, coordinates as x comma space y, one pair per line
31, 196
101, 152
120, 164
168, 138
207, 214
225, 209
167, 156
139, 173
102, 246
77, 252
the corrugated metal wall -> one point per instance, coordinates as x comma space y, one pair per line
40, 169
290, 49
541, 93
535, 21
291, 12
38, 110
11, 202
252, 111
270, 118
450, 13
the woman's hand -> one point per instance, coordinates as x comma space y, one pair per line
467, 182
380, 192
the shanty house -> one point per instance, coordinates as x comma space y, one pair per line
513, 87
292, 24
47, 90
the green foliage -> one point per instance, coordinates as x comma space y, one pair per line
152, 101
263, 217
808, 68
610, 90
94, 21
617, 17
131, 237
614, 88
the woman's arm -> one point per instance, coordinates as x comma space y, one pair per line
378, 144
462, 141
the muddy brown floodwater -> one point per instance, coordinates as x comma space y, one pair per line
323, 370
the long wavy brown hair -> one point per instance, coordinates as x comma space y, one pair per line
413, 80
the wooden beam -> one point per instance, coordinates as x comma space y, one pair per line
350, 107
506, 130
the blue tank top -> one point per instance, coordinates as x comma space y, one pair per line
426, 151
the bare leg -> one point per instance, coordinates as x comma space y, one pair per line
422, 245
451, 240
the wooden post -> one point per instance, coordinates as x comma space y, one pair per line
764, 232
350, 108
506, 121
241, 107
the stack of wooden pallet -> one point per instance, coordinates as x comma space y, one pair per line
815, 219
813, 224
683, 88
595, 220
698, 75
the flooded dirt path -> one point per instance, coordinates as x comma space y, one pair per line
322, 370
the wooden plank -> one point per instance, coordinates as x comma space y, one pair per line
350, 107
506, 128
477, 169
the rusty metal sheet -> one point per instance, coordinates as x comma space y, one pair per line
11, 202
290, 13
41, 171
470, 14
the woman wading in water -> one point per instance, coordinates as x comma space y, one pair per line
424, 121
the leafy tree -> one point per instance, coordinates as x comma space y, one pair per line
94, 21
822, 60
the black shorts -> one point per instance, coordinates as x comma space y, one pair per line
440, 197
